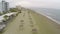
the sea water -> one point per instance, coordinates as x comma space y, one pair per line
54, 14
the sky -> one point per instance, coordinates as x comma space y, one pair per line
35, 3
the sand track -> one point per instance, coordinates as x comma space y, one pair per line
23, 24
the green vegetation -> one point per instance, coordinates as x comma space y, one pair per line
4, 12
6, 17
13, 10
0, 13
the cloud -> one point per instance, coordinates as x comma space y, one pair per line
24, 3
40, 3
36, 3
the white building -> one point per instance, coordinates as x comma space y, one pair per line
4, 6
19, 7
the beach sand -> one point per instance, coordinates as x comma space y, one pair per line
29, 22
46, 25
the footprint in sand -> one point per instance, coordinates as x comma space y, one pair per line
34, 31
22, 21
23, 15
21, 27
31, 22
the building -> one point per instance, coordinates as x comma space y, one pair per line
4, 6
19, 7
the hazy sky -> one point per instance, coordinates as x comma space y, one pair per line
36, 3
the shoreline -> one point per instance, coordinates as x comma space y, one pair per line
46, 24
48, 17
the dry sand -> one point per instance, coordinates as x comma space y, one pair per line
23, 24
46, 25
29, 22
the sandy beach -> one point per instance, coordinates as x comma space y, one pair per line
46, 25
29, 22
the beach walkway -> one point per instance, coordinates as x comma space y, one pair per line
22, 24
